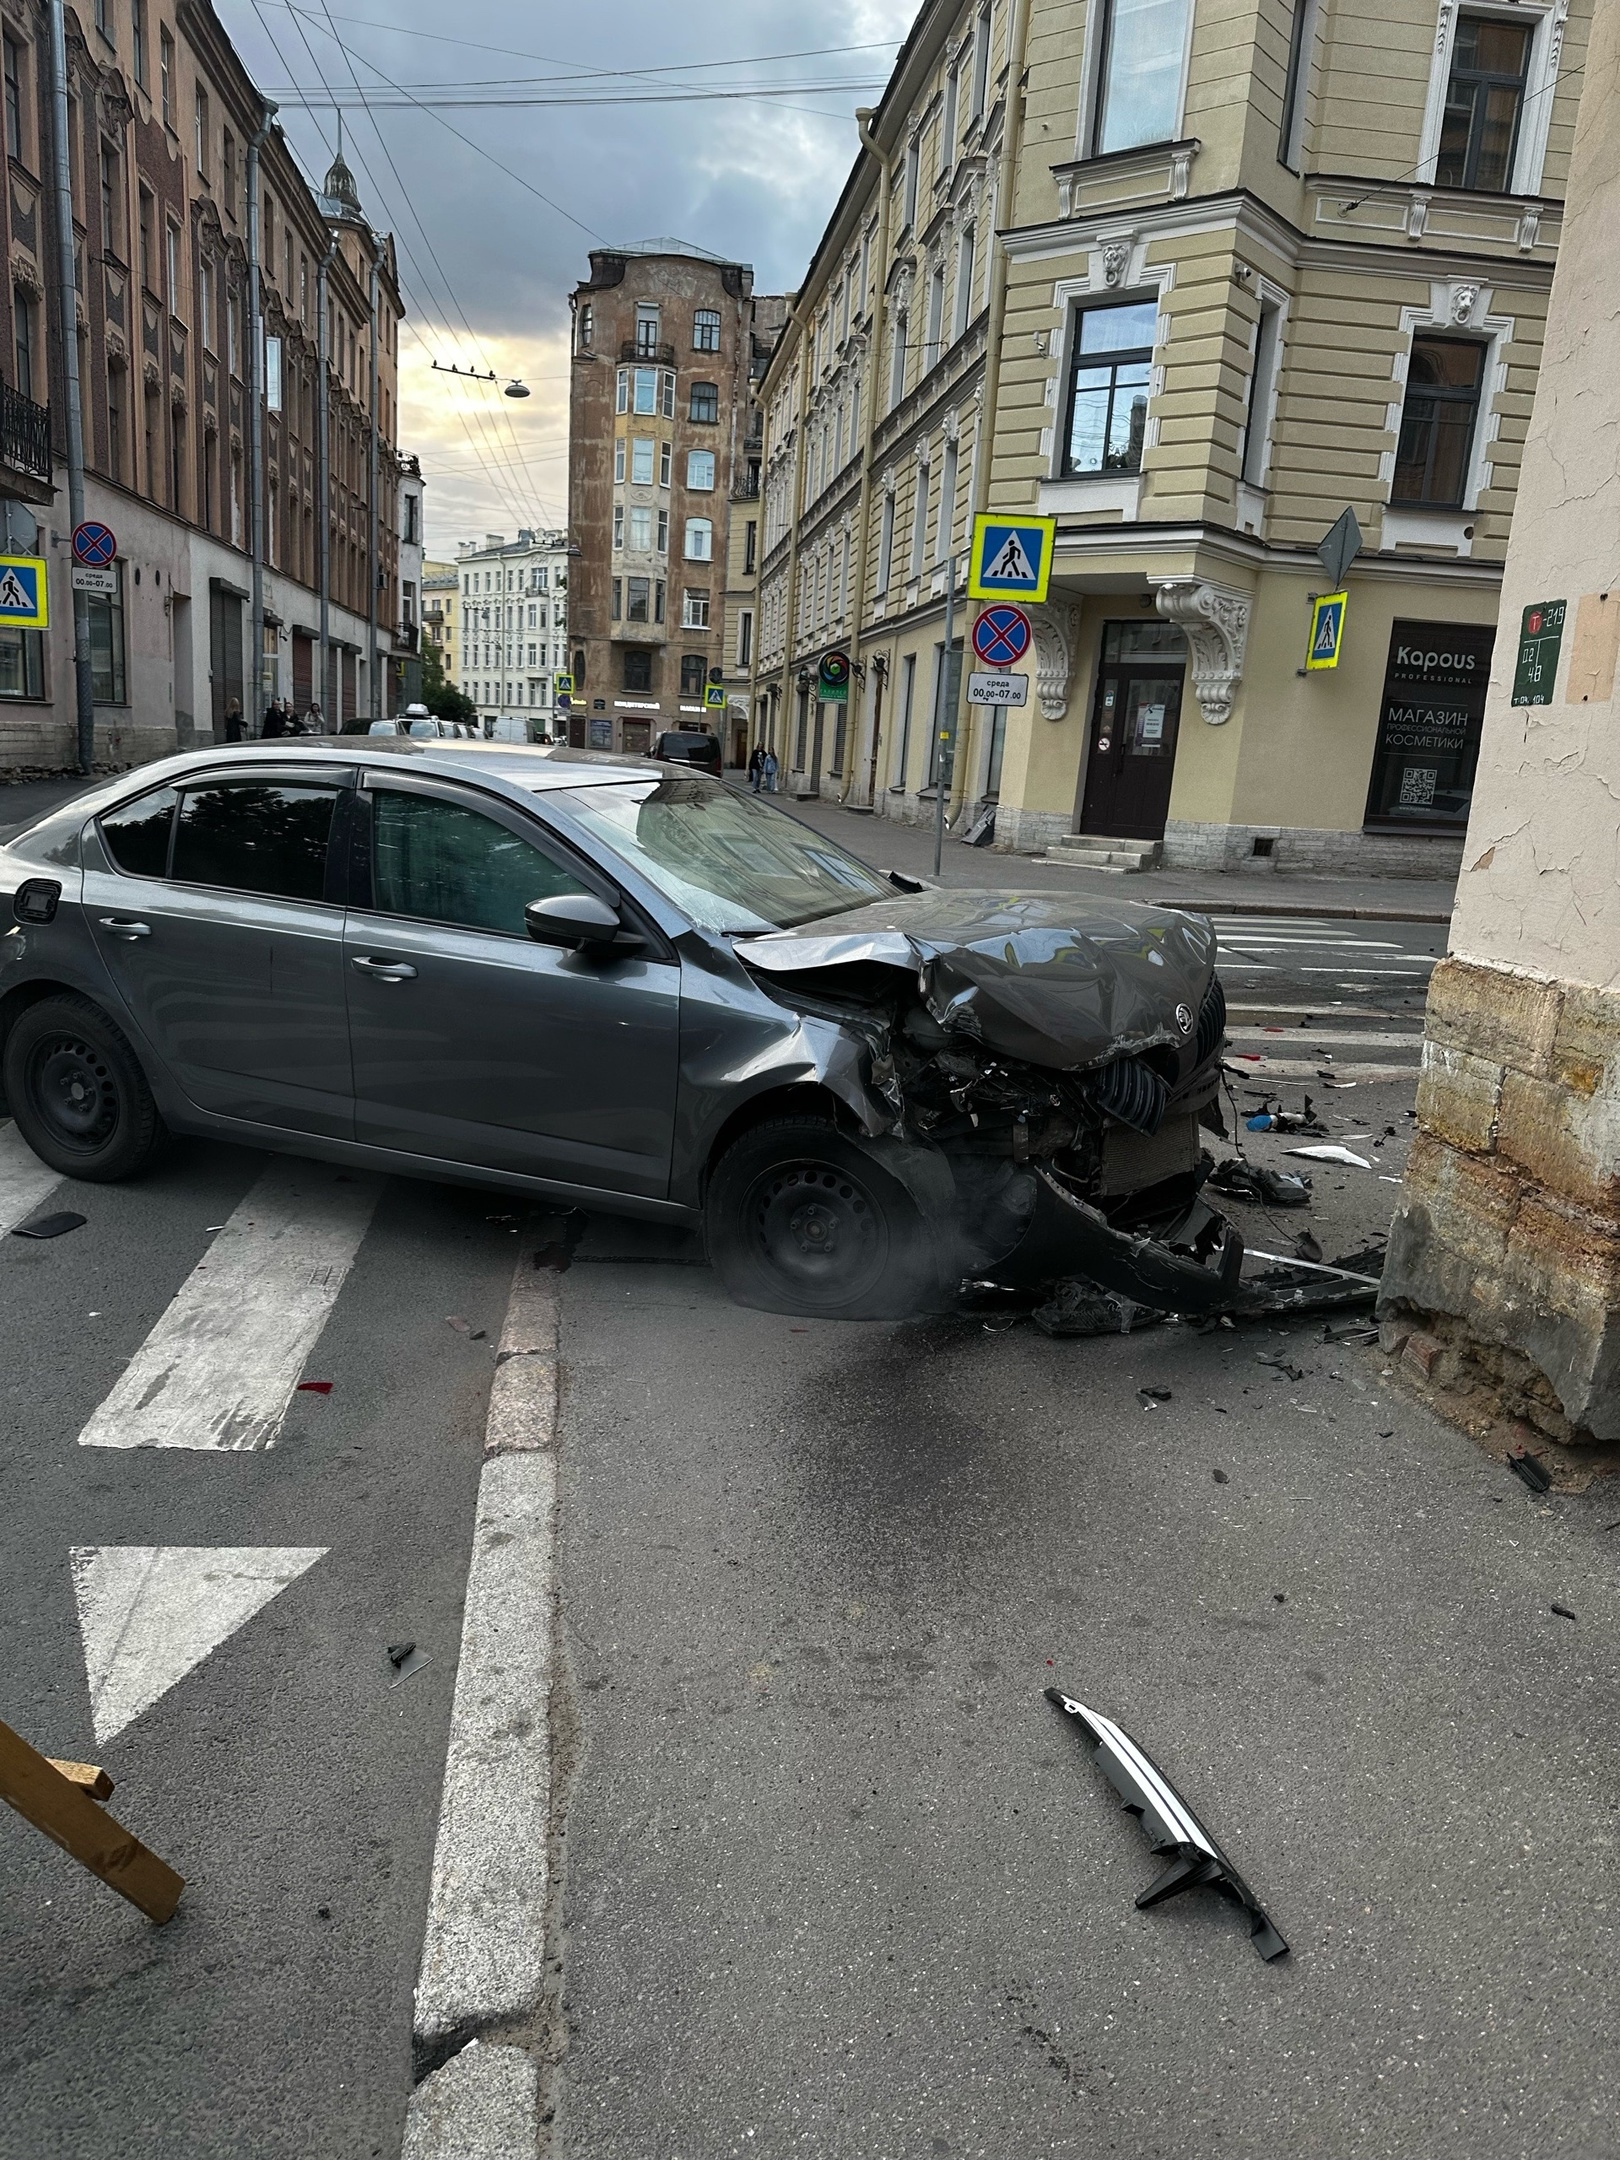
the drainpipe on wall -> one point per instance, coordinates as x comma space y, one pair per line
68, 308
968, 753
331, 706
375, 558
790, 625
864, 509
255, 420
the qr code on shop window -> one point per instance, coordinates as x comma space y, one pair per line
1417, 786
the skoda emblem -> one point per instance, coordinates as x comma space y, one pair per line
1184, 1019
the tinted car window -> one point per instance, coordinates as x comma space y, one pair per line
255, 837
137, 836
444, 863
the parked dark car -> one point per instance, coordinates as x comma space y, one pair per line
633, 990
690, 746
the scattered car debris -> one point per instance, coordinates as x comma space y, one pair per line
1563, 1612
1279, 1364
314, 1387
50, 1226
1530, 1470
1151, 1397
405, 1659
1221, 1478
1306, 1247
465, 1327
1240, 1179
1077, 1307
1333, 1154
1172, 1829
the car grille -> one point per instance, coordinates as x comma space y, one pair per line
1211, 1020
1132, 1092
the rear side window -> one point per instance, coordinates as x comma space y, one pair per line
441, 862
256, 837
137, 836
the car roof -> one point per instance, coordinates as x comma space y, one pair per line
529, 768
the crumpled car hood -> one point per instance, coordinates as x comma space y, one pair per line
1049, 979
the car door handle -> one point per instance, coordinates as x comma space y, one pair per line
384, 970
126, 927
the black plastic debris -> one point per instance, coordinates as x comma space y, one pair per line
1563, 1612
1530, 1470
49, 1226
398, 1652
1275, 1358
1172, 1829
1221, 1478
1151, 1397
405, 1659
1306, 1247
1240, 1180
1078, 1307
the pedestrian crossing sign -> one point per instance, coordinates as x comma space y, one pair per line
24, 593
1012, 557
564, 686
1327, 630
714, 696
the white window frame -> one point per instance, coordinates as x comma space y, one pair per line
913, 183
697, 461
981, 60
1540, 86
1457, 308
966, 270
1085, 137
885, 563
919, 521
619, 454
745, 637
1139, 280
638, 443
699, 528
1265, 377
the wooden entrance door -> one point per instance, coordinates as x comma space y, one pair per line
1134, 722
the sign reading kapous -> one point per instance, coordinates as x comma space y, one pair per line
1429, 726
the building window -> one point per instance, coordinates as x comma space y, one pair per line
659, 592
745, 637
962, 315
706, 403
112, 198
1301, 51
104, 21
646, 333
706, 330
637, 668
700, 471
981, 61
171, 238
587, 327
166, 76
22, 663
22, 317
641, 460
106, 611
1484, 99
913, 174
638, 600
619, 454
14, 104
699, 540
897, 359
1437, 423
1143, 45
885, 564
1108, 388
622, 400
750, 546
936, 315
1262, 393
663, 532
945, 538
147, 213
646, 390
618, 527
137, 33
641, 530
947, 132
202, 133
618, 600
695, 610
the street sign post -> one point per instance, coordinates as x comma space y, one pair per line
1002, 690
1541, 634
1339, 548
84, 579
94, 543
1002, 635
1327, 630
563, 686
714, 696
25, 601
1012, 557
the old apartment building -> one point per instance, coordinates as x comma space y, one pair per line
665, 454
513, 614
162, 119
1191, 282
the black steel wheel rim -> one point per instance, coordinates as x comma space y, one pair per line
74, 1092
818, 1230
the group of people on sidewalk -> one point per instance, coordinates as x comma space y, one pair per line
762, 770
280, 718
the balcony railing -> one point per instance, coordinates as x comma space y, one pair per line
25, 433
634, 349
405, 635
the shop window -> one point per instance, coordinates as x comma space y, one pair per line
1437, 422
1429, 727
22, 663
1479, 132
106, 611
1108, 388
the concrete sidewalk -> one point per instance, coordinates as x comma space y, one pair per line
911, 848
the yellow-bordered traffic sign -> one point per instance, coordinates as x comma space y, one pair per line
714, 696
1327, 630
25, 600
563, 686
1012, 557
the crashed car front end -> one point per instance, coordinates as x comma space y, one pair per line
1060, 1061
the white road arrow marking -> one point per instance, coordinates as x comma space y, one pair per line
150, 1613
25, 1182
220, 1367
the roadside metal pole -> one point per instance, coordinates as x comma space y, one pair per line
68, 309
255, 421
331, 694
948, 688
373, 557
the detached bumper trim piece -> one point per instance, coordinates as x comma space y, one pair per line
1172, 1829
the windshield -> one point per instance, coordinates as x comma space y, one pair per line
727, 861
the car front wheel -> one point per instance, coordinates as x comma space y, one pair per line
77, 1092
802, 1220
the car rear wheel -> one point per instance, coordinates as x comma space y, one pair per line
802, 1220
78, 1093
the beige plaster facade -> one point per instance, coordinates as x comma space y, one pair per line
1508, 1237
1285, 245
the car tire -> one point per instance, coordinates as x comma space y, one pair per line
802, 1220
77, 1092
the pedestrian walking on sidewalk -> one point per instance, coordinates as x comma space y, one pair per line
771, 769
233, 720
756, 767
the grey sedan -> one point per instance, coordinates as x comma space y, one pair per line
623, 986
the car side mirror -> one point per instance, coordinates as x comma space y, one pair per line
579, 921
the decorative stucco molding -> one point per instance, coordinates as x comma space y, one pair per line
1215, 621
1054, 657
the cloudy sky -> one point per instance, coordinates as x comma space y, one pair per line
493, 228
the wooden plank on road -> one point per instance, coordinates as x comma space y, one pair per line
32, 1784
